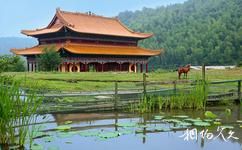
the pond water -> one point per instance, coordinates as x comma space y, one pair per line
123, 131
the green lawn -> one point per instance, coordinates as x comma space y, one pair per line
38, 80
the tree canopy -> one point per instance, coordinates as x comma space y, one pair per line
11, 63
196, 32
49, 60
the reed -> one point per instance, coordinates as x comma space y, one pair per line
16, 113
183, 99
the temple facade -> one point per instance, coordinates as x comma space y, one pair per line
87, 42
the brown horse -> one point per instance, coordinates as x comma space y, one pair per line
184, 70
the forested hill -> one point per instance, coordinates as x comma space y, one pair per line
196, 32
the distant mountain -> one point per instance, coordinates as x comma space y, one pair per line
6, 43
196, 32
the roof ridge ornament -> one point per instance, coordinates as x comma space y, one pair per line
58, 9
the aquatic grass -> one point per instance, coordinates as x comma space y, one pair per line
16, 113
194, 98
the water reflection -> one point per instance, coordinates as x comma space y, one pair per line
109, 121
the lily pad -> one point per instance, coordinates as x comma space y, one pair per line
48, 139
172, 120
139, 131
208, 120
158, 117
63, 127
126, 124
68, 142
239, 121
201, 123
37, 147
209, 114
68, 122
228, 111
178, 127
108, 135
89, 133
217, 123
184, 124
193, 120
125, 132
36, 134
218, 119
227, 127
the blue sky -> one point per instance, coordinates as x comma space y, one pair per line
16, 15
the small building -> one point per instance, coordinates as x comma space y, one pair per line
86, 41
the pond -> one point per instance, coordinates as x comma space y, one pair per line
161, 130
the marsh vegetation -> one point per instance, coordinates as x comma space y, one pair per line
16, 114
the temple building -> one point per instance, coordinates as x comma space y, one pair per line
87, 42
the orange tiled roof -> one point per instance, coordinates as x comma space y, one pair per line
84, 23
87, 49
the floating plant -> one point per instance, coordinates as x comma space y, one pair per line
172, 120
184, 124
36, 146
239, 121
209, 114
227, 127
228, 112
202, 124
193, 120
208, 120
63, 127
68, 122
178, 127
107, 135
158, 117
89, 133
217, 123
125, 132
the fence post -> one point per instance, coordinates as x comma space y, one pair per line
239, 90
144, 84
174, 87
204, 83
203, 72
116, 96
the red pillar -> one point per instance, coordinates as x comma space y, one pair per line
120, 67
141, 68
85, 67
146, 68
102, 67
32, 68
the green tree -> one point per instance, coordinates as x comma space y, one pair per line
49, 60
11, 63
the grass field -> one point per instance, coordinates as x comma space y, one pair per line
43, 80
